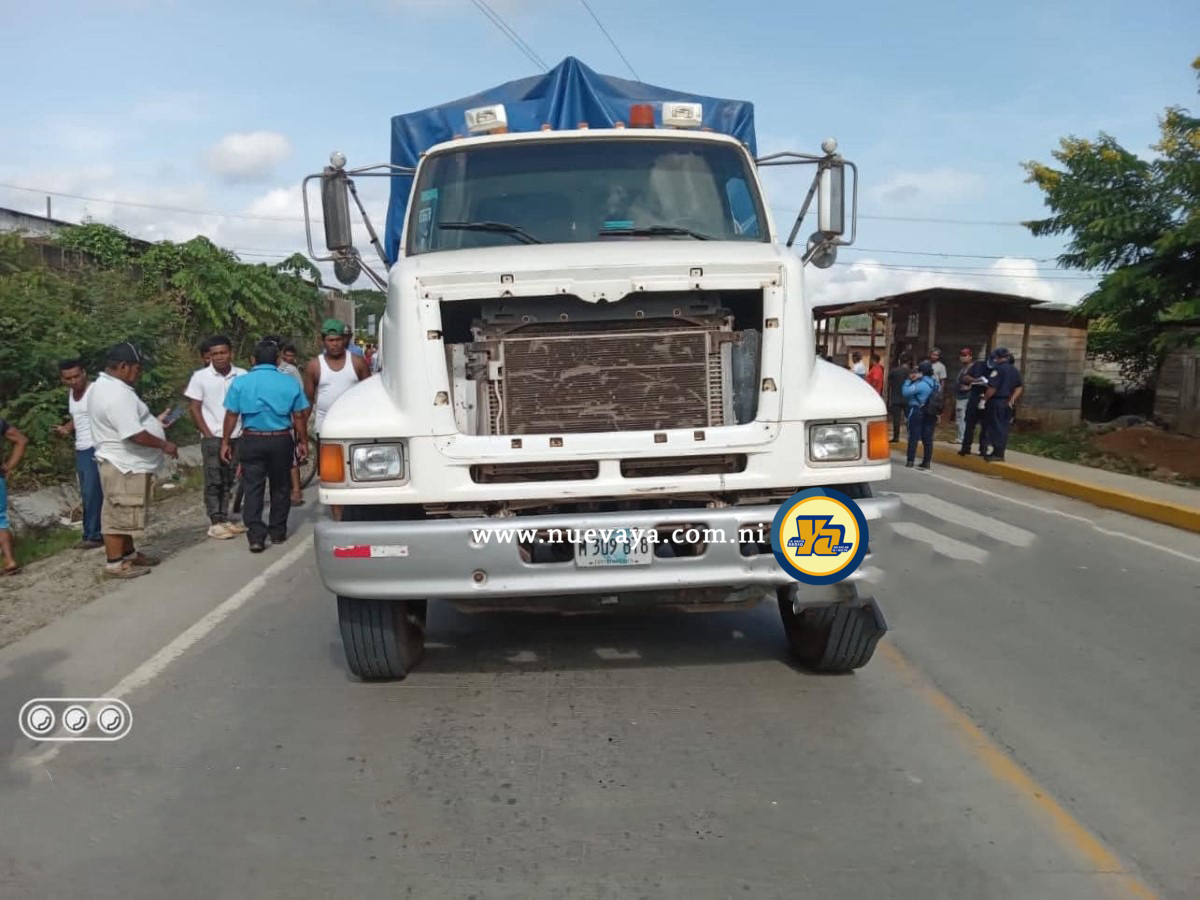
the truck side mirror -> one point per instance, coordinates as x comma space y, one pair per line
831, 199
335, 209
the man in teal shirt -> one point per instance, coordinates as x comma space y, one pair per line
274, 432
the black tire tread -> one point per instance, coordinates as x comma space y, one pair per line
379, 638
831, 638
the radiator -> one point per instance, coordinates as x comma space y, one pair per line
610, 380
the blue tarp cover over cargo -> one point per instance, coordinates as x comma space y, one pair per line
567, 95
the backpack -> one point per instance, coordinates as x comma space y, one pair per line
935, 403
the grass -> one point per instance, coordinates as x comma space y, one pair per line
187, 480
38, 543
1075, 445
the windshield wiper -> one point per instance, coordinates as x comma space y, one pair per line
498, 227
654, 230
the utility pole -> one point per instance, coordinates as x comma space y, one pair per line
48, 215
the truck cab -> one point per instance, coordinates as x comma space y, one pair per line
597, 383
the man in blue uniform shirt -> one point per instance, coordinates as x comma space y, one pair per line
1004, 389
270, 404
975, 379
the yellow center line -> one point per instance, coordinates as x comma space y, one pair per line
1073, 833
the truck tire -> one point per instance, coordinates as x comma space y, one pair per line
383, 639
831, 638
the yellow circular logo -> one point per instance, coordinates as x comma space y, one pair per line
819, 536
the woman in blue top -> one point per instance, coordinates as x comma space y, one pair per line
916, 391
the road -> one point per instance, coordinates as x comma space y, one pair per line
1027, 729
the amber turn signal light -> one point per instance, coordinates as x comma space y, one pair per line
877, 440
331, 465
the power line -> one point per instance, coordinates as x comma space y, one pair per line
600, 25
922, 219
946, 255
158, 206
496, 19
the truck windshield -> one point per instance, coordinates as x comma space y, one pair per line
571, 191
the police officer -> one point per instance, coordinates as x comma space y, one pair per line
1004, 389
976, 378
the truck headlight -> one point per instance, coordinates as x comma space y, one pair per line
834, 443
377, 462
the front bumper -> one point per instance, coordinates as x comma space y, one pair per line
447, 559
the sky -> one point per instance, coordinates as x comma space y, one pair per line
179, 118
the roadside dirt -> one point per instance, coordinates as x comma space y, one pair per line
50, 588
1154, 447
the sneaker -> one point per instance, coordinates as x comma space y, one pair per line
278, 539
125, 570
221, 531
236, 527
923, 466
908, 465
257, 546
89, 545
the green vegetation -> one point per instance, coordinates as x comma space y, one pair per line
1136, 221
38, 543
1076, 445
166, 297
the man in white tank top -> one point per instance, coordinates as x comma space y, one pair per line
75, 377
331, 374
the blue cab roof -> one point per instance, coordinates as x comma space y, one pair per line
567, 95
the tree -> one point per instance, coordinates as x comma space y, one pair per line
1138, 222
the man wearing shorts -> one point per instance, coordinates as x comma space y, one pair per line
130, 443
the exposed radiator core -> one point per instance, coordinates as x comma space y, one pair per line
636, 377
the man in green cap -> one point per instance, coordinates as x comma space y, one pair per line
329, 375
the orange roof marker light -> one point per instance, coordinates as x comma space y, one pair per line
487, 119
682, 115
641, 115
546, 126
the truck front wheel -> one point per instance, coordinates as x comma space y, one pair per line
836, 638
382, 638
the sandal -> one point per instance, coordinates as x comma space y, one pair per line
13, 570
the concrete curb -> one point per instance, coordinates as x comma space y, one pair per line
1173, 514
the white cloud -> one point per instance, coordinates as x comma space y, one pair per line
248, 156
869, 279
932, 186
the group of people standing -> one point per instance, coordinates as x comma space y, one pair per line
254, 419
985, 394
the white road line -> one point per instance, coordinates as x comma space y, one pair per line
154, 666
946, 546
967, 518
1066, 515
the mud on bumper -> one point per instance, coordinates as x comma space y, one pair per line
448, 559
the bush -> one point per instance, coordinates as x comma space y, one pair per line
165, 299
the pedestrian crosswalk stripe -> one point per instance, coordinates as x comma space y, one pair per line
968, 518
946, 546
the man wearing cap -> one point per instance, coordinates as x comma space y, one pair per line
332, 373
973, 379
272, 408
1000, 399
130, 444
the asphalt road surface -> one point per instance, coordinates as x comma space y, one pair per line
1028, 729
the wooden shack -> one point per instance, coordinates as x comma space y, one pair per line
1048, 342
1177, 389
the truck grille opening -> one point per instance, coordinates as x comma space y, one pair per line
664, 467
559, 365
511, 473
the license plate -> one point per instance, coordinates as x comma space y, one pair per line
620, 548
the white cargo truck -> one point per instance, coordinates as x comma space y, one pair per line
597, 376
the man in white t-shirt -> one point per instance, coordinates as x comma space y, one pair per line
857, 366
206, 395
74, 376
130, 443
